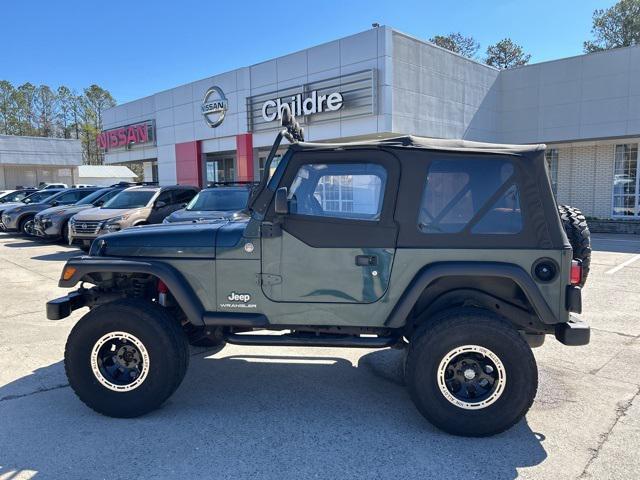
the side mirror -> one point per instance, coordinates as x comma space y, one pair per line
282, 203
99, 203
55, 203
160, 204
184, 205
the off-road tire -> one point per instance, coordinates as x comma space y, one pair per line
163, 339
577, 230
470, 327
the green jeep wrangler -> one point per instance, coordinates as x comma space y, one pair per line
454, 251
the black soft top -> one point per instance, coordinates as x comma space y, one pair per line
413, 142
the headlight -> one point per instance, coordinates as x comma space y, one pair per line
112, 224
117, 219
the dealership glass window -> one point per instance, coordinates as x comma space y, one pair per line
220, 169
551, 156
274, 164
457, 190
625, 181
350, 190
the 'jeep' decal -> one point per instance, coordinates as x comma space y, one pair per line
238, 300
239, 297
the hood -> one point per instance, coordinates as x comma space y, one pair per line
26, 208
63, 209
102, 213
10, 205
184, 215
184, 240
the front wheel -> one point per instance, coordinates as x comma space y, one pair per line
26, 226
125, 358
470, 373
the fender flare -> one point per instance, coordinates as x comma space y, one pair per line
175, 281
431, 273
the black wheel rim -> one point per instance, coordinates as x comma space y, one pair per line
120, 361
471, 377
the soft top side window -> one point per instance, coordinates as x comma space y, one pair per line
475, 195
340, 190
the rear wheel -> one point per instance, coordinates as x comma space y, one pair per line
125, 358
577, 230
471, 373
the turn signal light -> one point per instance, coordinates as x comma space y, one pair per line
576, 272
162, 287
68, 273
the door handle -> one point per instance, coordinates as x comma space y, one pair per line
366, 260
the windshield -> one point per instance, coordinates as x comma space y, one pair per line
130, 199
219, 199
13, 197
89, 199
40, 196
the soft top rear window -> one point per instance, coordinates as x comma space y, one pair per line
470, 194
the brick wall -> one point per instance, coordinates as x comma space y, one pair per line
585, 176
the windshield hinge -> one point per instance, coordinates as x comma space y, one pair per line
271, 229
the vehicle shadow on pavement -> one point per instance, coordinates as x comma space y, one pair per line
250, 416
27, 243
59, 256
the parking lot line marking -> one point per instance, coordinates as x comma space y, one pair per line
623, 264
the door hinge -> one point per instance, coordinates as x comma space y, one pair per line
269, 279
271, 229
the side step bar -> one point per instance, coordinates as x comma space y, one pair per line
296, 340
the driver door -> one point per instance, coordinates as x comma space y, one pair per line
337, 243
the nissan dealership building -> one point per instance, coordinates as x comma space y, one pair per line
382, 82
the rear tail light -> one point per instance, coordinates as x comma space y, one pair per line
576, 272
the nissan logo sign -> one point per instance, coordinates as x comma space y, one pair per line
214, 106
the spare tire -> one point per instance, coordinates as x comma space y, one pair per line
575, 225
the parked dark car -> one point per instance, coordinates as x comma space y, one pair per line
20, 218
35, 197
53, 222
216, 203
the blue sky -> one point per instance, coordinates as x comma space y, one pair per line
137, 48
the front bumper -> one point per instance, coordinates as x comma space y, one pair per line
46, 228
62, 307
574, 333
9, 224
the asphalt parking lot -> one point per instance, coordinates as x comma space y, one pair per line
258, 412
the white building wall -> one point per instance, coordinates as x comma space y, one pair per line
424, 90
580, 98
51, 152
177, 111
437, 93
